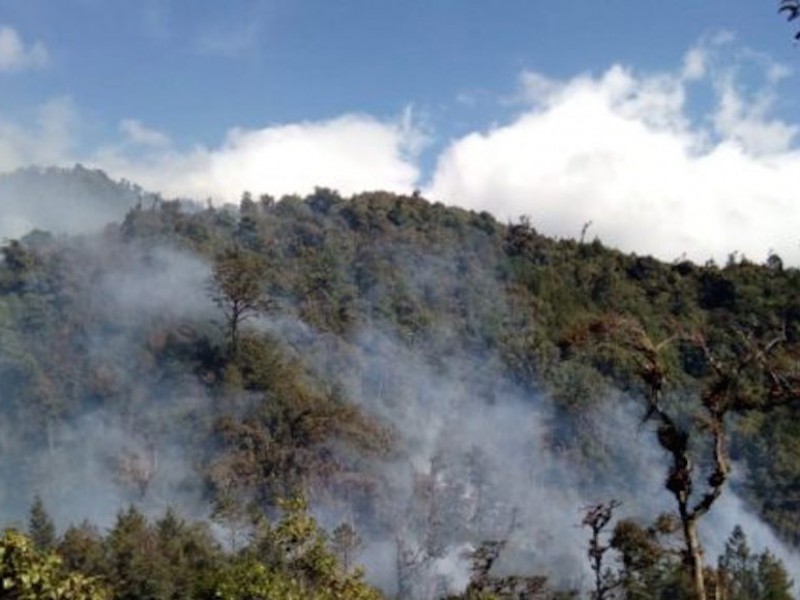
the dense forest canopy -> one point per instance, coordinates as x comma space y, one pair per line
250, 401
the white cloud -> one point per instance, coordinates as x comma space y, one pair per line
16, 56
48, 140
747, 121
538, 89
694, 64
623, 151
141, 135
351, 153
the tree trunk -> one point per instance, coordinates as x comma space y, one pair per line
234, 330
694, 556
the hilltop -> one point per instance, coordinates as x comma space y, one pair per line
75, 200
424, 373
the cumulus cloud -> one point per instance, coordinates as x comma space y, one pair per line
647, 157
15, 55
351, 153
48, 140
624, 151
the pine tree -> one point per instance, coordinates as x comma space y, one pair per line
40, 526
747, 576
737, 567
773, 578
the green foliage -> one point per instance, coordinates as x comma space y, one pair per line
132, 549
238, 289
28, 574
744, 575
168, 559
444, 281
282, 438
649, 563
41, 529
172, 559
650, 566
246, 580
83, 549
299, 563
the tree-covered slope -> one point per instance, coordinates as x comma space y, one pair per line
75, 200
423, 372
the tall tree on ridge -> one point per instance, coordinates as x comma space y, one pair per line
237, 288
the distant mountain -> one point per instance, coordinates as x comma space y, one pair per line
76, 200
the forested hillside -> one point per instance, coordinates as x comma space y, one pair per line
449, 396
76, 200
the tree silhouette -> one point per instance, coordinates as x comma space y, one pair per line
791, 10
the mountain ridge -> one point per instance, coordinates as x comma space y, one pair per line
404, 346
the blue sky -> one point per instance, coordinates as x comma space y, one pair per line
569, 111
195, 68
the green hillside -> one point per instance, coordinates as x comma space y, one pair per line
440, 387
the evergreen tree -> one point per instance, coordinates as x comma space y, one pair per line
773, 578
737, 568
743, 575
82, 549
40, 526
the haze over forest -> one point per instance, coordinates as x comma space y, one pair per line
427, 376
532, 339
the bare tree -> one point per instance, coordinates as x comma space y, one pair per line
747, 382
137, 467
346, 543
597, 517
